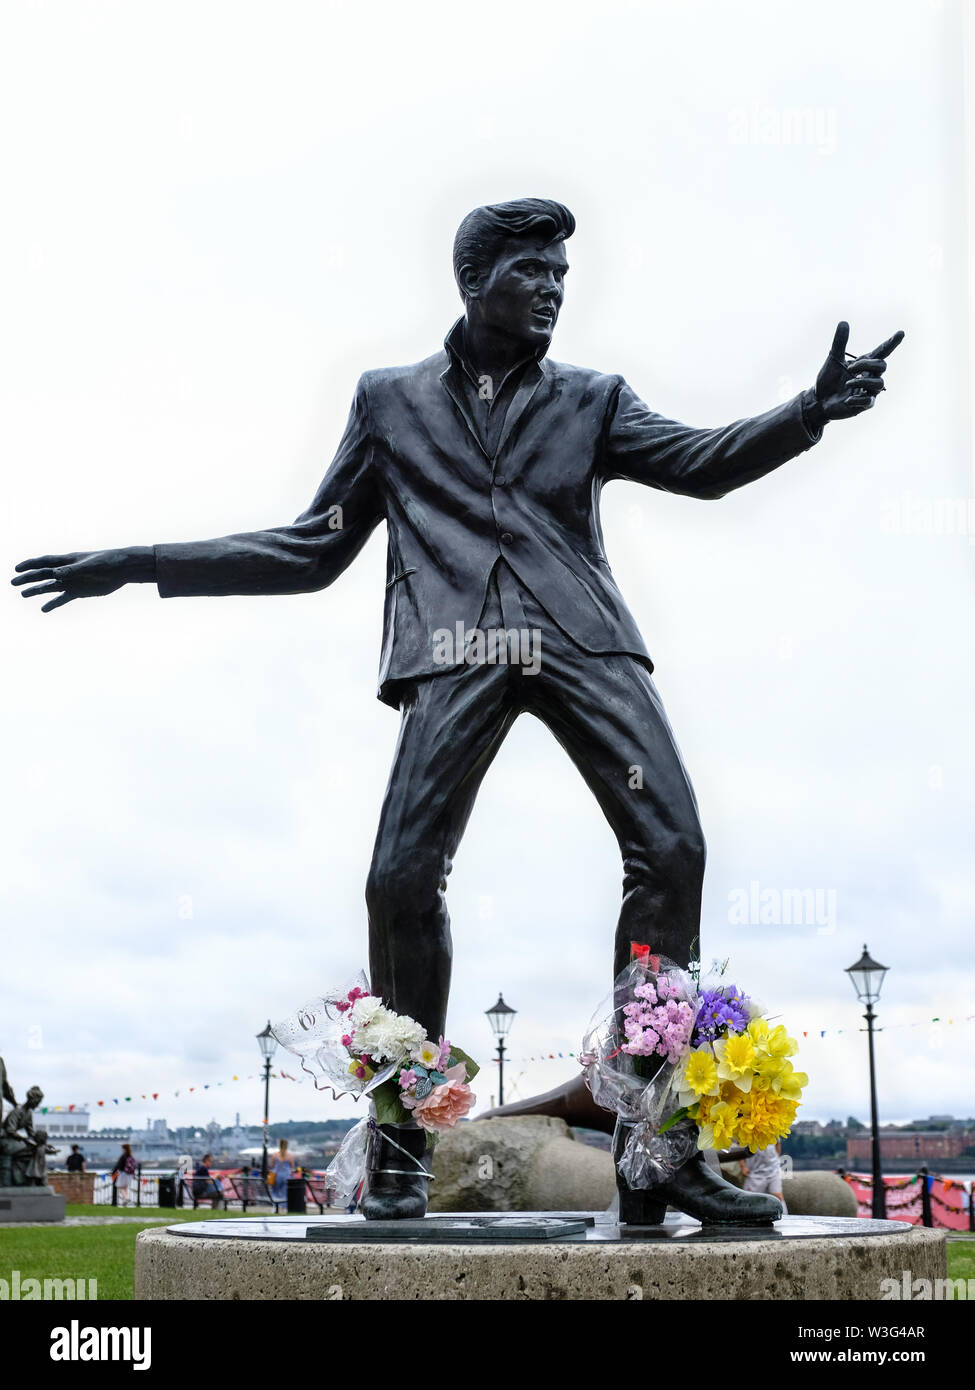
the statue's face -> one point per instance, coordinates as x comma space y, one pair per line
34, 1097
522, 293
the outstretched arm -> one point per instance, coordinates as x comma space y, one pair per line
648, 448
305, 556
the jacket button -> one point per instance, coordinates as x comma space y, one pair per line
506, 538
499, 482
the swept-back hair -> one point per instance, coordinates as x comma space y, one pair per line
485, 231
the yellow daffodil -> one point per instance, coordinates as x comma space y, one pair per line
702, 1110
779, 1044
767, 1071
758, 1031
719, 1132
789, 1083
700, 1076
735, 1059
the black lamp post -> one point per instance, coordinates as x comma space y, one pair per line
268, 1043
500, 1018
867, 976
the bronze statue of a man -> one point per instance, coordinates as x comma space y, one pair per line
487, 461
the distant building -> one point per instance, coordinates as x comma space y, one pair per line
68, 1125
68, 1120
916, 1146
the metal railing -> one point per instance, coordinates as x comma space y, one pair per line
144, 1190
921, 1198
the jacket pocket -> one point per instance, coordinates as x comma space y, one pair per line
402, 575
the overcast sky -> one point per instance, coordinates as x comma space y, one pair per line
216, 216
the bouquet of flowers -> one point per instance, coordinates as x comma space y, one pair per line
688, 1066
349, 1042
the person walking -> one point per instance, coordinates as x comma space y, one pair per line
279, 1171
124, 1175
762, 1172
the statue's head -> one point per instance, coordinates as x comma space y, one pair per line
510, 265
34, 1097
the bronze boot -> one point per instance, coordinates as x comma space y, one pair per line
397, 1174
698, 1191
639, 1206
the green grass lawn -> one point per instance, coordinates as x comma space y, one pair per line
961, 1259
107, 1253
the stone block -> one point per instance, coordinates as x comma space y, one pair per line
30, 1204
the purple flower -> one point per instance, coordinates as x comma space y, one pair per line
719, 1010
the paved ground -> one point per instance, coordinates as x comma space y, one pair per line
88, 1221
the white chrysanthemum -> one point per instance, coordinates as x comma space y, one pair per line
364, 1010
387, 1036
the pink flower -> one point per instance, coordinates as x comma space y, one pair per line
408, 1078
346, 1039
444, 1053
342, 1005
356, 993
445, 1105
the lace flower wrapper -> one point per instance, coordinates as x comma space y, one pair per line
314, 1035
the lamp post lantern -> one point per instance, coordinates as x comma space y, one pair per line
500, 1016
268, 1043
867, 977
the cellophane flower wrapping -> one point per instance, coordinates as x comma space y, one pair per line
687, 1064
343, 1176
351, 1043
631, 1054
315, 1032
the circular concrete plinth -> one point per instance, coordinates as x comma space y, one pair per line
273, 1258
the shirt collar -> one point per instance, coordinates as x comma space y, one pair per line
456, 351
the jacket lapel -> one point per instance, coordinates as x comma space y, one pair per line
530, 382
448, 381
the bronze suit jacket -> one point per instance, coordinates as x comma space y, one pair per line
410, 455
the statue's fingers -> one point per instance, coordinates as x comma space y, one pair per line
840, 339
871, 385
57, 602
51, 588
32, 577
886, 348
871, 366
44, 562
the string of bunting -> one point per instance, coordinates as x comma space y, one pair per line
814, 1033
156, 1095
964, 1185
539, 1057
891, 1184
